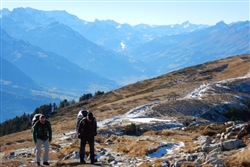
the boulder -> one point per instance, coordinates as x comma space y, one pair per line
233, 144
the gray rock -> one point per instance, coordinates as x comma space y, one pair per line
74, 155
233, 144
179, 163
229, 135
203, 140
210, 147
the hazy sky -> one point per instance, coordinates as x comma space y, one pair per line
157, 12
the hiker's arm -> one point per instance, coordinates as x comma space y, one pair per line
78, 122
82, 124
95, 128
76, 126
50, 132
79, 127
34, 131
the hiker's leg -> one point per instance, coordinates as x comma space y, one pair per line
91, 142
46, 151
38, 149
82, 149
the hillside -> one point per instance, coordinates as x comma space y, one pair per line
146, 103
176, 84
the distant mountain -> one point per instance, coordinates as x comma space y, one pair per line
19, 93
61, 39
81, 51
51, 70
14, 80
143, 50
108, 33
173, 52
121, 37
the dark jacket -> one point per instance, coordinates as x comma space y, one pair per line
42, 131
87, 129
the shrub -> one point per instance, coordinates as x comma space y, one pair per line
131, 129
238, 114
186, 123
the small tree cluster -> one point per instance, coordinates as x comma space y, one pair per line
99, 93
86, 97
238, 114
89, 95
132, 129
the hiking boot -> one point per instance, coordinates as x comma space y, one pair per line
45, 163
83, 162
93, 161
38, 163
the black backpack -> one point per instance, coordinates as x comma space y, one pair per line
82, 114
34, 120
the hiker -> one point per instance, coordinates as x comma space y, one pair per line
88, 131
42, 135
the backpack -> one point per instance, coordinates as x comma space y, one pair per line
82, 114
35, 119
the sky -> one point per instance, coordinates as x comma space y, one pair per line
133, 12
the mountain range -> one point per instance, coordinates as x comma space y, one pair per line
63, 57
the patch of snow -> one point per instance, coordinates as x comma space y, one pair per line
165, 149
74, 155
198, 92
65, 139
119, 26
147, 120
138, 115
138, 111
23, 152
180, 22
206, 89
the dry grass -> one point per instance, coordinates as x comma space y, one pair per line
130, 146
188, 164
68, 150
15, 141
15, 163
241, 158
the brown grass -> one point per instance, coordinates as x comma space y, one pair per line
130, 146
14, 163
188, 164
241, 158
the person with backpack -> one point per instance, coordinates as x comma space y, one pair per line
87, 130
42, 135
